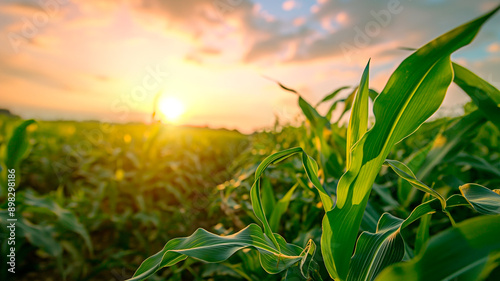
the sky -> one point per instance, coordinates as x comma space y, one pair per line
107, 60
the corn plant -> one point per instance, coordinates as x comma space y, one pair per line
75, 207
52, 220
413, 93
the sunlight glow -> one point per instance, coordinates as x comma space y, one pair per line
171, 108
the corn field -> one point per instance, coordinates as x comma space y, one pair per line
392, 194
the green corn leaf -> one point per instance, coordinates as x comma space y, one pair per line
358, 123
370, 218
259, 212
482, 93
385, 196
348, 102
274, 159
446, 143
17, 148
477, 163
413, 93
451, 253
373, 94
405, 173
375, 251
415, 162
487, 272
478, 197
422, 235
318, 122
331, 96
284, 87
268, 199
456, 200
481, 198
66, 218
306, 263
280, 208
226, 269
333, 107
41, 236
18, 145
295, 274
208, 247
484, 200
311, 169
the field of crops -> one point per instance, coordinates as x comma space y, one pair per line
388, 197
97, 200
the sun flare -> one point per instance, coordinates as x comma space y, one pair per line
171, 109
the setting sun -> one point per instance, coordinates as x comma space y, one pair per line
171, 108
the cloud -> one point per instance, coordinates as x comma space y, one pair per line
101, 46
25, 67
289, 5
20, 9
376, 24
273, 46
299, 21
258, 36
342, 18
242, 28
494, 47
195, 16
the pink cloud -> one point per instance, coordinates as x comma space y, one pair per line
256, 8
326, 23
342, 18
494, 48
20, 9
289, 5
299, 21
